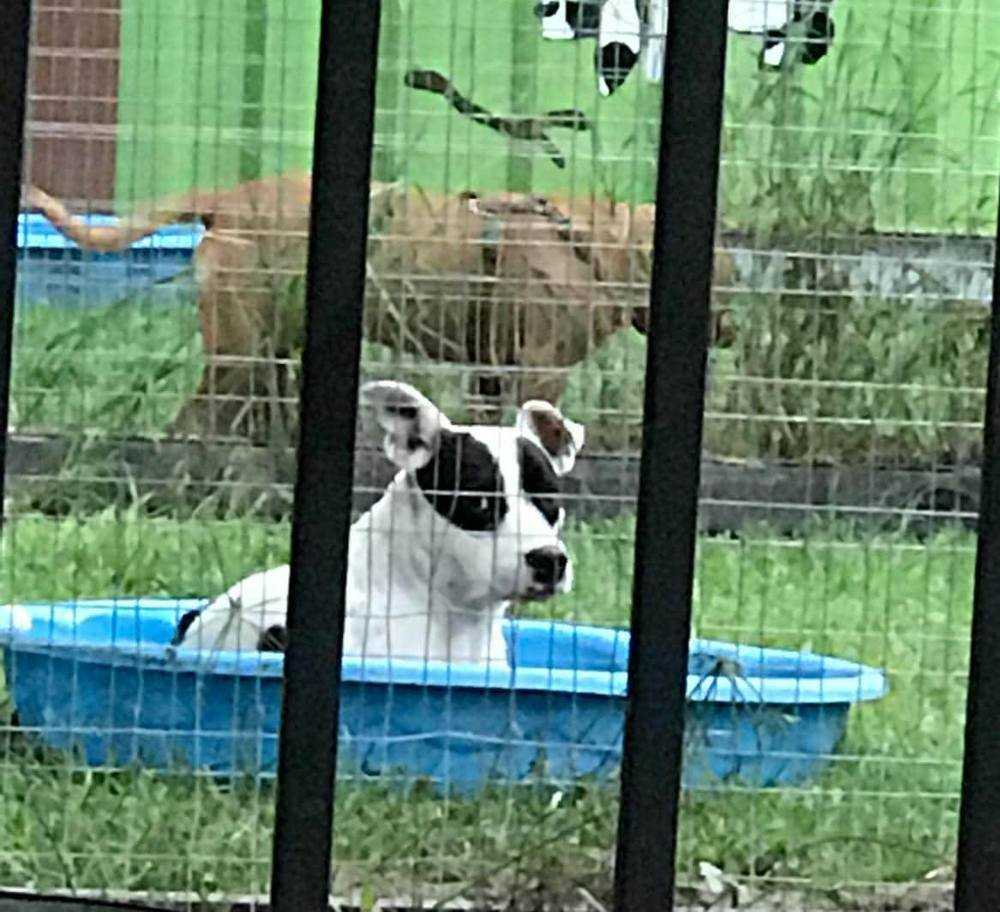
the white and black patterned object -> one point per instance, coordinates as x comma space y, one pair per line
804, 38
616, 24
793, 31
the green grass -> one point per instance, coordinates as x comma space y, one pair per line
858, 382
124, 368
885, 811
851, 380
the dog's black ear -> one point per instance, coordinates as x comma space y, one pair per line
412, 423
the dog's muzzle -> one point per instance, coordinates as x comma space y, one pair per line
548, 570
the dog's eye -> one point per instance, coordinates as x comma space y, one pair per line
482, 511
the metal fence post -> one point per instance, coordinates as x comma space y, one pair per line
978, 872
335, 282
671, 453
15, 27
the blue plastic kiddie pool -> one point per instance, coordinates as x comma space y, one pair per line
54, 270
98, 676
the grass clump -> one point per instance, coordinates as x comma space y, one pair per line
851, 381
124, 368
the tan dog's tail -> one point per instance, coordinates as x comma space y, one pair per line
101, 238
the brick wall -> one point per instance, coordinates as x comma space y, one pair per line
73, 100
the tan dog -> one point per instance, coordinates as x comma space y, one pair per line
509, 282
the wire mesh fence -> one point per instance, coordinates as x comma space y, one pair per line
154, 414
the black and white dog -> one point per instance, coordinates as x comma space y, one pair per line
471, 522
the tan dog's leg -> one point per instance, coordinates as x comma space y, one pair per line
248, 326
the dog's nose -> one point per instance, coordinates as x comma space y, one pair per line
548, 563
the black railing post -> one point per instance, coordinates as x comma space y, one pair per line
335, 281
978, 872
15, 22
671, 453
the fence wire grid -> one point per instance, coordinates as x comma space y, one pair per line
156, 372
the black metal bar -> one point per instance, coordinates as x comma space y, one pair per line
335, 281
978, 871
671, 453
15, 24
